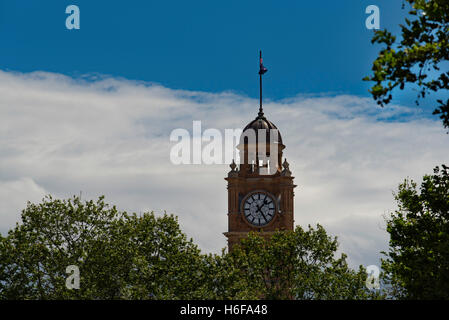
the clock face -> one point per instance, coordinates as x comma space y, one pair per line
259, 209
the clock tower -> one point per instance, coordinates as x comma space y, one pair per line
260, 188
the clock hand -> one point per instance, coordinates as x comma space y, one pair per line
263, 215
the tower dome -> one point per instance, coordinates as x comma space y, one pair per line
260, 143
262, 123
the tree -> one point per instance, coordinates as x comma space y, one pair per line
129, 256
417, 264
419, 58
119, 255
298, 264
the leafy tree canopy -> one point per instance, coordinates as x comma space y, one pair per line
299, 264
118, 255
417, 264
420, 57
129, 256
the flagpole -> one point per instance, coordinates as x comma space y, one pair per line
260, 85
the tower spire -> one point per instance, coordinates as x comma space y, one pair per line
262, 70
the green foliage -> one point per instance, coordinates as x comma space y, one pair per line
417, 266
419, 58
298, 264
119, 255
126, 256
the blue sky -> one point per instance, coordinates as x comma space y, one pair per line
310, 47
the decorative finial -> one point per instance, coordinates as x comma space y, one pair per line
286, 172
233, 172
233, 165
262, 70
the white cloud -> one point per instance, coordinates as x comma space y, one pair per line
14, 195
111, 136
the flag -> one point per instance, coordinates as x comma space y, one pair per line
262, 69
